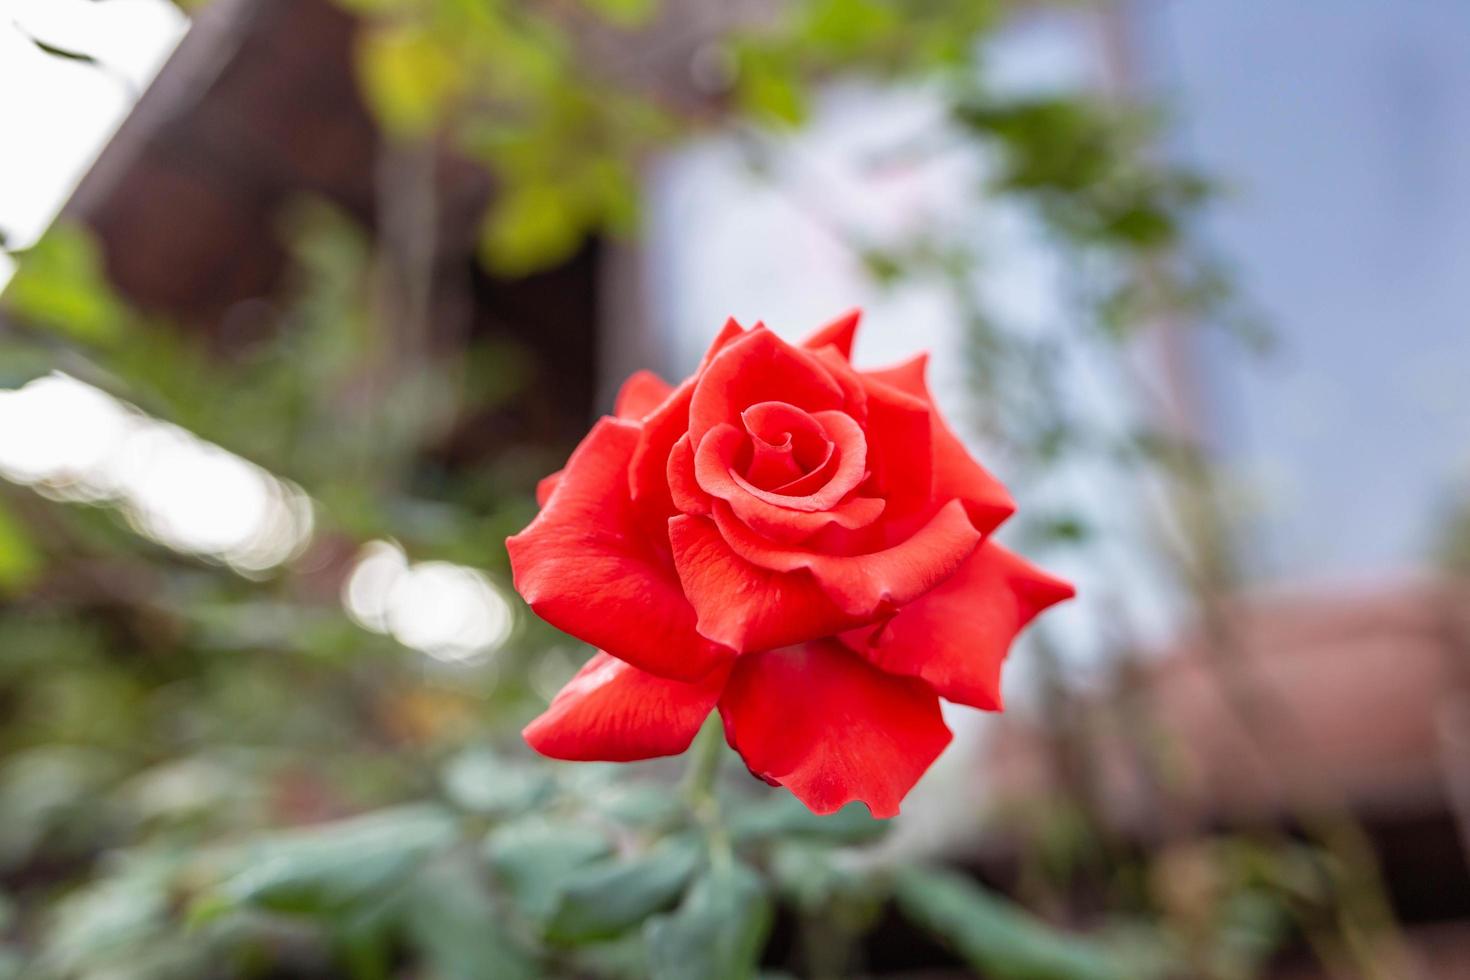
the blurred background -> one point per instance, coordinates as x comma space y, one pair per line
301, 297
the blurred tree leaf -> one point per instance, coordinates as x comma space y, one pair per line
532, 225
331, 867
534, 858
63, 53
624, 13
846, 28
995, 936
606, 899
20, 562
717, 933
407, 77
768, 85
59, 285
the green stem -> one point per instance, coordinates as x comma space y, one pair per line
704, 763
699, 789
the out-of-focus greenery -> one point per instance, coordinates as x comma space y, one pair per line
208, 775
564, 101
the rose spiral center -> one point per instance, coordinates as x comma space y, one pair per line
786, 445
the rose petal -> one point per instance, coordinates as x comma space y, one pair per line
641, 394
830, 728
713, 472
956, 637
742, 606
716, 461
785, 526
586, 567
900, 448
855, 397
546, 486
759, 367
773, 463
613, 712
787, 443
662, 427
867, 586
956, 474
689, 497
839, 333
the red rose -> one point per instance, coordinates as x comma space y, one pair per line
798, 543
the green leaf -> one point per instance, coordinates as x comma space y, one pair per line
809, 878
623, 13
66, 54
110, 919
60, 285
407, 77
458, 931
847, 27
717, 933
532, 225
606, 899
782, 815
768, 86
332, 867
482, 782
533, 860
996, 937
20, 562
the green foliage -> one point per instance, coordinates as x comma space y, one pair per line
994, 936
534, 861
60, 286
623, 13
784, 816
1085, 161
408, 80
603, 900
454, 920
334, 867
20, 562
482, 781
717, 933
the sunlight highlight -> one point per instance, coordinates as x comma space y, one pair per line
448, 611
72, 442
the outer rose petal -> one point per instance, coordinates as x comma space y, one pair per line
956, 637
662, 427
585, 566
900, 448
546, 486
614, 712
956, 474
830, 728
641, 394
839, 333
745, 607
865, 586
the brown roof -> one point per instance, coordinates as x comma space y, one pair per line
1351, 695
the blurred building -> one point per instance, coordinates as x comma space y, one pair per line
258, 109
